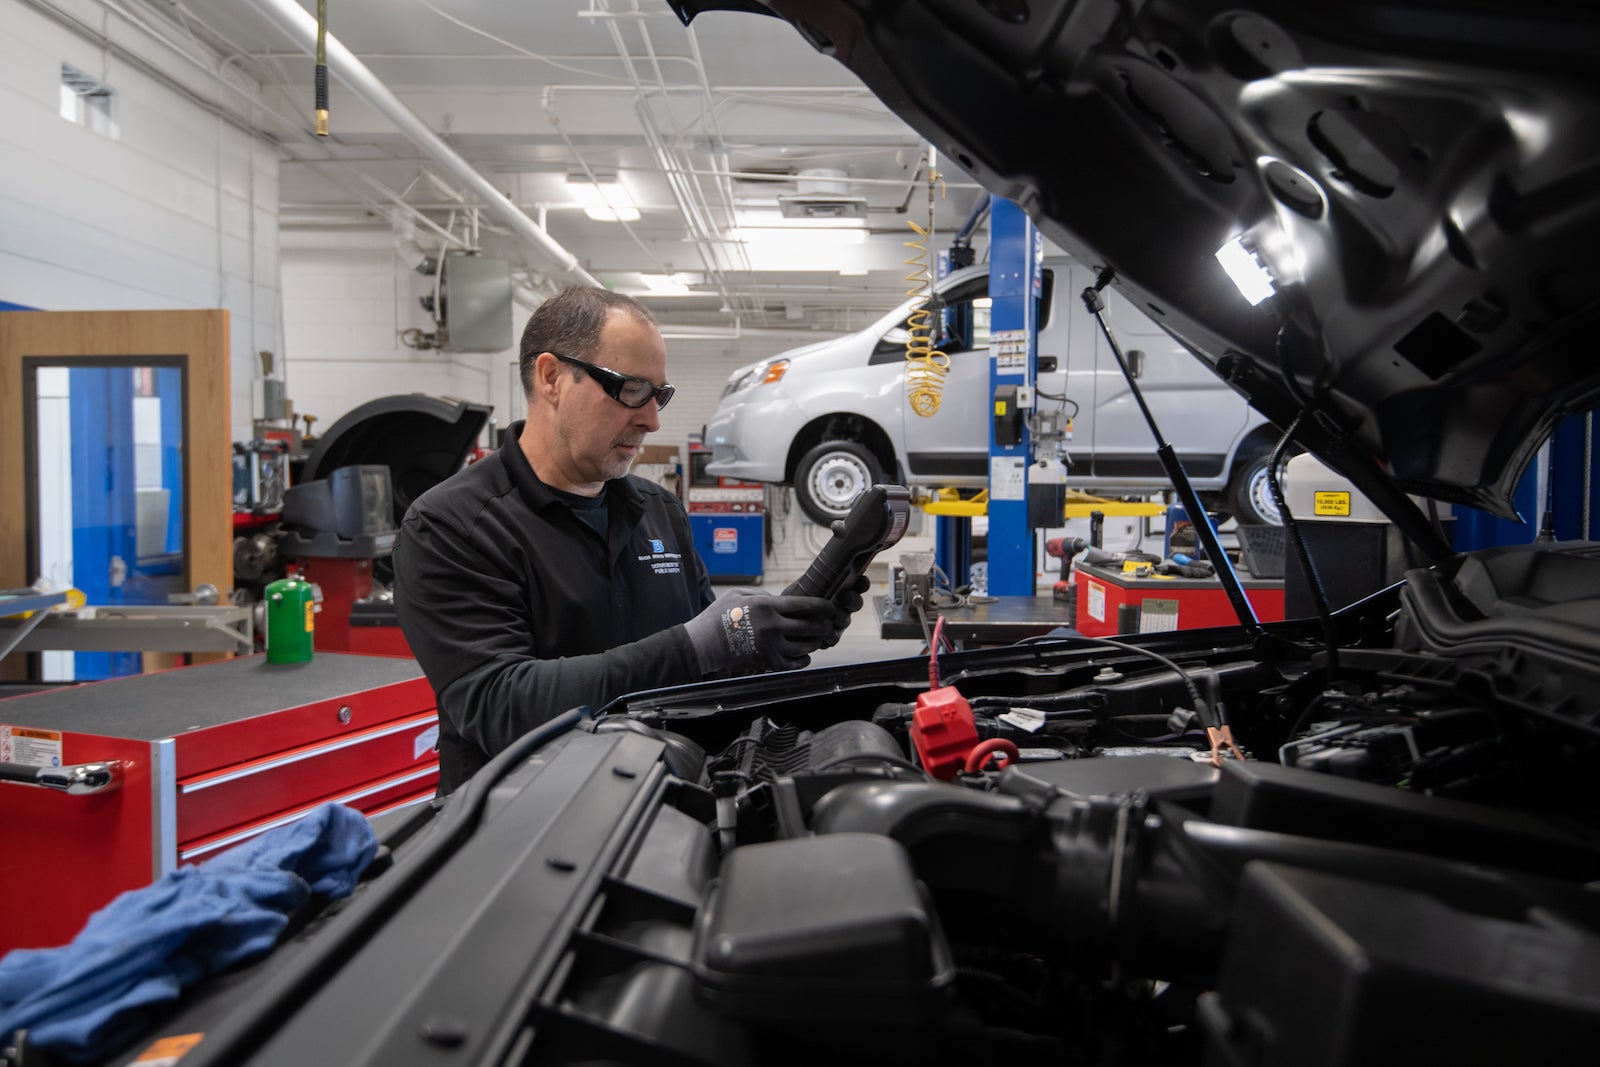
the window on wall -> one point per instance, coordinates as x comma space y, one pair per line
87, 101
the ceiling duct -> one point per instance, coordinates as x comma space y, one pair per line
822, 194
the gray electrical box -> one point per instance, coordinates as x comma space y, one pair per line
477, 304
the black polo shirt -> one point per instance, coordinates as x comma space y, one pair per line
518, 610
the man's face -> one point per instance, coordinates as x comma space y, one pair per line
598, 438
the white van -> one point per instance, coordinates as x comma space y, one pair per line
832, 418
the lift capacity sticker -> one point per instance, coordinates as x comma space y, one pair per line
1009, 348
1008, 478
1009, 343
32, 748
1157, 616
1327, 503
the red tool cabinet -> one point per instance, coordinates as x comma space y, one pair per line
204, 757
1112, 602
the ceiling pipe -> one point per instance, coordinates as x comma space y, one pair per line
701, 231
302, 27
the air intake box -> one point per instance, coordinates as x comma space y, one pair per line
830, 927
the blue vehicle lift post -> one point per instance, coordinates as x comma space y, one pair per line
952, 534
1016, 258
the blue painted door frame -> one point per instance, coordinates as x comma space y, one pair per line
104, 510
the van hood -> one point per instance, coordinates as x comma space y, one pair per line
1419, 180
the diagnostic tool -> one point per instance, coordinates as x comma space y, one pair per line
876, 521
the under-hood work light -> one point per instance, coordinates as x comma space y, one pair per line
1253, 280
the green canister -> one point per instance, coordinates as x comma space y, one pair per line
291, 619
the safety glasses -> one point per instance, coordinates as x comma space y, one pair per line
625, 389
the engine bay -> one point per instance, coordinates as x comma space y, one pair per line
1408, 832
1371, 842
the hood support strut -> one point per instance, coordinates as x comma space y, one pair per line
1175, 472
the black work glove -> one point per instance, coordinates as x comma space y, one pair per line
846, 604
747, 630
1200, 568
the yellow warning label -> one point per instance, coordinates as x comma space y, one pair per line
311, 616
1097, 601
32, 747
168, 1050
1327, 503
999, 408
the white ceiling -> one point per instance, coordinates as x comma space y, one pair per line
532, 92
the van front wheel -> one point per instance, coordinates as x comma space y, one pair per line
828, 479
1251, 495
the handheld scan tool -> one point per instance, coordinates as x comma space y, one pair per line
876, 521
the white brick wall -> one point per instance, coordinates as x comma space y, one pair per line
345, 303
178, 211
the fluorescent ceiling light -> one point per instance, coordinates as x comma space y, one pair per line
786, 237
983, 302
665, 283
766, 248
1252, 279
749, 218
604, 199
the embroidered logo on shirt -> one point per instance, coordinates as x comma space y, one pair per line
661, 561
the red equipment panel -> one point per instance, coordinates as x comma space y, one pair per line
208, 756
343, 582
1164, 603
67, 856
348, 621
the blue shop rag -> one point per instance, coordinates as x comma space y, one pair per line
84, 1000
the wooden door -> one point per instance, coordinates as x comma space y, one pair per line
190, 345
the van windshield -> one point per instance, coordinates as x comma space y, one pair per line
960, 325
963, 322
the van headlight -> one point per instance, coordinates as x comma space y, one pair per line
738, 381
760, 374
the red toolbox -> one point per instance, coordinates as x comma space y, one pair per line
1111, 602
201, 758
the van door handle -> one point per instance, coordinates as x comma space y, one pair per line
1135, 362
75, 779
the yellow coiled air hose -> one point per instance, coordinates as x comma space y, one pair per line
926, 366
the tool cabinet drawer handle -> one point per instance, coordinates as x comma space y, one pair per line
76, 779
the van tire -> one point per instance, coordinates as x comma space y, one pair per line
830, 476
1250, 494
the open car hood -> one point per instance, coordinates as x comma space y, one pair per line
1421, 180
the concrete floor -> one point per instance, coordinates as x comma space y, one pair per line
860, 642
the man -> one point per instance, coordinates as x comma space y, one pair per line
545, 576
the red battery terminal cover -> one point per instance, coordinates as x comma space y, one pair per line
943, 731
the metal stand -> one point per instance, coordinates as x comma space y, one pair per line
20, 604
131, 628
